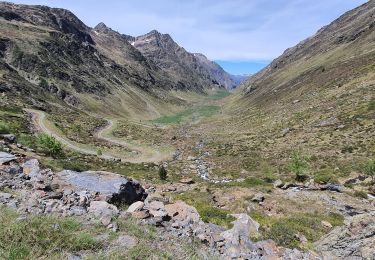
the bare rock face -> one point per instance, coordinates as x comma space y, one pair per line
111, 186
354, 240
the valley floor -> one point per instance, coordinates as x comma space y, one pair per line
221, 165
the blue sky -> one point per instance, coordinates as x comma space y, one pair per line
242, 35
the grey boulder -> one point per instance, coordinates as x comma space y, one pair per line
6, 157
113, 187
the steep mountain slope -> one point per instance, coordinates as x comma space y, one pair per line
49, 54
180, 64
317, 99
332, 57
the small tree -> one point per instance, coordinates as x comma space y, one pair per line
298, 166
162, 173
49, 145
369, 169
99, 152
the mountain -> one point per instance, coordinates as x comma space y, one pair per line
181, 65
334, 56
49, 54
238, 79
316, 99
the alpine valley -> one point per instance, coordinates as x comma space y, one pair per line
130, 147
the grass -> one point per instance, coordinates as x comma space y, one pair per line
188, 114
219, 94
283, 229
325, 176
208, 213
41, 236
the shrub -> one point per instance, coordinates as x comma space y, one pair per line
49, 145
360, 194
369, 169
162, 173
325, 176
4, 128
99, 152
298, 166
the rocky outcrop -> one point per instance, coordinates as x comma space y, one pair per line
354, 240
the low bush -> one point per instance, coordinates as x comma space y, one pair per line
162, 173
299, 166
49, 145
369, 169
4, 128
360, 194
325, 176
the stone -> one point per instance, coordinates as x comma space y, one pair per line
155, 205
326, 224
259, 197
278, 184
187, 181
141, 214
102, 208
125, 241
5, 197
9, 138
328, 122
237, 243
182, 212
285, 131
106, 220
191, 158
136, 206
332, 187
15, 169
6, 157
112, 187
31, 168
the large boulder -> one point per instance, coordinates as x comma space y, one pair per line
236, 241
182, 213
6, 157
112, 187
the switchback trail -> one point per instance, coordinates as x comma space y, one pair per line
143, 153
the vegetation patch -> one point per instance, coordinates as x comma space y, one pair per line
219, 94
284, 230
188, 114
41, 236
208, 213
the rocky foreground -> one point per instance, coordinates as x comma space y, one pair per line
99, 198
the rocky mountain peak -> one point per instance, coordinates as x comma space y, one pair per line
101, 27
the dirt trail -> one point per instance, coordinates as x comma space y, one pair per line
144, 154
